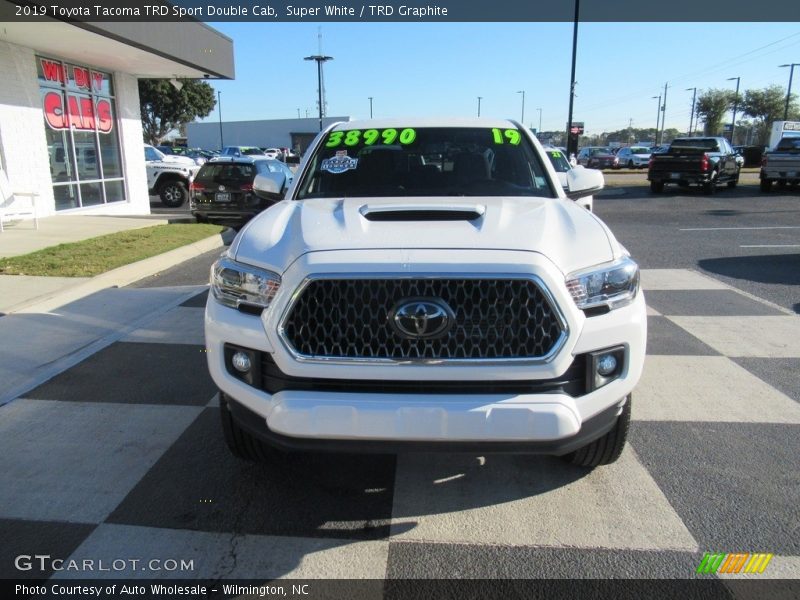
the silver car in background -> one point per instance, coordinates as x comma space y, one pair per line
634, 157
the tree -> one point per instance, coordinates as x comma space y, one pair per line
164, 107
765, 106
711, 108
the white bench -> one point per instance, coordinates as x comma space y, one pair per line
16, 204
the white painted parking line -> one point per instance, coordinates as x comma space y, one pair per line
215, 555
519, 500
776, 337
708, 389
770, 246
678, 279
739, 228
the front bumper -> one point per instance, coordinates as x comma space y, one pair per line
551, 419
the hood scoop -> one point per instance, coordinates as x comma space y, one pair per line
422, 212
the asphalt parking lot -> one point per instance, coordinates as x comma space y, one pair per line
123, 450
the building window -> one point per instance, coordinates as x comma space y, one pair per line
82, 138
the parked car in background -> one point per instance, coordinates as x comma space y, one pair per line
560, 163
176, 158
707, 162
634, 157
662, 149
242, 151
226, 190
597, 157
169, 179
781, 165
752, 154
273, 153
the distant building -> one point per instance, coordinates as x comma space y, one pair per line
296, 134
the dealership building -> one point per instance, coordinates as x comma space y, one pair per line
70, 127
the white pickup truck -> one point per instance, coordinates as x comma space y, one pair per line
427, 285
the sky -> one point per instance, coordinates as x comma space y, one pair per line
440, 69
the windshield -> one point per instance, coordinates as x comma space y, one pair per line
703, 143
151, 153
560, 162
789, 143
430, 161
640, 150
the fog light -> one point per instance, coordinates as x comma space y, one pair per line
606, 365
241, 362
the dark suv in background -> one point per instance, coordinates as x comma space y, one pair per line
226, 190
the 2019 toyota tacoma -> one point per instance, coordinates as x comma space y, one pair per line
427, 285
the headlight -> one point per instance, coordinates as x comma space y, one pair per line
236, 285
613, 284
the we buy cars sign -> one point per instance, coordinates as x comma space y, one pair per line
81, 112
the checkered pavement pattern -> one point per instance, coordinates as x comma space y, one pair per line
121, 456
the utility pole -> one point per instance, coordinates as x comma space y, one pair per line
370, 107
320, 59
479, 105
219, 107
789, 89
572, 142
663, 113
658, 116
694, 100
522, 120
735, 105
540, 120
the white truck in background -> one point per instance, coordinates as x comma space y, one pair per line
782, 129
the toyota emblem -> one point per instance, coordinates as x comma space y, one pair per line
421, 318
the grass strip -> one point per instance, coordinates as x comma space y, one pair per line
93, 256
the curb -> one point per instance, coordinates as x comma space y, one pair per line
122, 276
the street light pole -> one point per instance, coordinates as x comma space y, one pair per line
735, 106
789, 89
479, 105
219, 107
370, 107
658, 116
522, 120
540, 120
694, 99
320, 59
572, 148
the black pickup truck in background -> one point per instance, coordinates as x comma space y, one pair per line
704, 161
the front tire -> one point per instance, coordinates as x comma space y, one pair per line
240, 442
606, 449
173, 193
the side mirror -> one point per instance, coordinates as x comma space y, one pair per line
269, 185
582, 182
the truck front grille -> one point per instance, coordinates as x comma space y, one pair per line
506, 319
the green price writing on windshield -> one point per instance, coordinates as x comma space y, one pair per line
355, 137
512, 135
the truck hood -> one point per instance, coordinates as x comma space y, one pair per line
570, 236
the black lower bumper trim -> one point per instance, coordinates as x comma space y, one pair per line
256, 426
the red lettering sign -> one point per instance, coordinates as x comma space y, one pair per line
97, 81
81, 77
104, 119
82, 114
53, 71
54, 110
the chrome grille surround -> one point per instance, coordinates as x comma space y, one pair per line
552, 334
